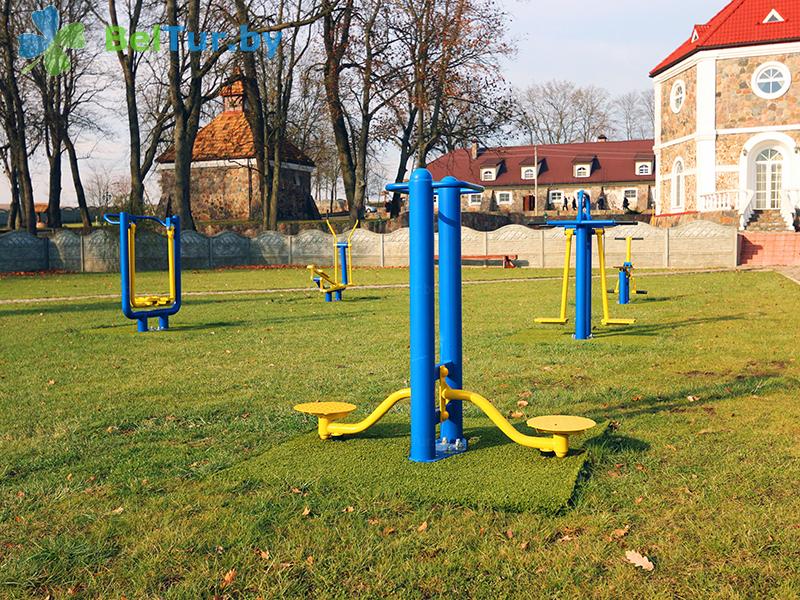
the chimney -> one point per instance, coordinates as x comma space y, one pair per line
473, 150
602, 138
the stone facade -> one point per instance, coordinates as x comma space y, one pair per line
720, 132
229, 192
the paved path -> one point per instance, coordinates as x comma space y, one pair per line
792, 273
387, 286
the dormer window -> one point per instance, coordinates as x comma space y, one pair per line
528, 173
774, 17
644, 168
583, 170
695, 36
488, 174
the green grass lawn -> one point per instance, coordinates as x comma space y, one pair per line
159, 465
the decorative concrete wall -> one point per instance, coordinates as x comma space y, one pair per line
696, 244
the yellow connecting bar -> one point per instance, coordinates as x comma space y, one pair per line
562, 316
333, 286
601, 252
376, 415
150, 301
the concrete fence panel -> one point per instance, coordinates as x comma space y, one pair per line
66, 251
230, 249
20, 251
271, 248
101, 251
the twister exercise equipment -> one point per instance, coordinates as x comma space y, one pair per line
142, 308
333, 286
626, 284
433, 406
581, 231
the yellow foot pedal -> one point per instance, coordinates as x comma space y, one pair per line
551, 321
561, 427
618, 321
326, 413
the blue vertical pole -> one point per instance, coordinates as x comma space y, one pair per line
624, 285
450, 305
583, 284
423, 352
343, 278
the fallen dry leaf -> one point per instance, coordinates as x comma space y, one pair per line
692, 398
117, 511
51, 382
306, 511
619, 533
524, 545
348, 509
639, 560
639, 500
522, 403
525, 394
515, 414
310, 559
263, 554
566, 538
422, 527
388, 531
510, 534
227, 579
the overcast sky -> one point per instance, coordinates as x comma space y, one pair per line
608, 43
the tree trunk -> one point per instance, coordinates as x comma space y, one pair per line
14, 213
76, 180
54, 187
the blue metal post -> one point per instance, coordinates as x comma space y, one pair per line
423, 352
624, 284
124, 265
583, 283
343, 277
141, 325
450, 308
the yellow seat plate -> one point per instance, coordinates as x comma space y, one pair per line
556, 321
561, 424
325, 409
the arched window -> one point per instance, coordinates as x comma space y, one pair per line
529, 174
769, 179
678, 185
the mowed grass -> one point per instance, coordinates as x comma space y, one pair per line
136, 465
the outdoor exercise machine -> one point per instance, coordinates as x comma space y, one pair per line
431, 407
142, 308
626, 284
581, 231
342, 278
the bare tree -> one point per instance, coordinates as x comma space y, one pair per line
12, 106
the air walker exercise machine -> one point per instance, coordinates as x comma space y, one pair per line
581, 231
342, 277
142, 308
626, 283
432, 407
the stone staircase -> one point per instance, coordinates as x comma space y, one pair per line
767, 220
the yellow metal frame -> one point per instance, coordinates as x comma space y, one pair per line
562, 316
601, 252
334, 284
150, 301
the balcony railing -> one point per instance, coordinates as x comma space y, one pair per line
725, 200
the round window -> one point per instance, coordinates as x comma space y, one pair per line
678, 96
771, 80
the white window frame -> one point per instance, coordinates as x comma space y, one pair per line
773, 17
580, 166
678, 192
471, 199
510, 198
633, 201
674, 96
646, 165
782, 69
525, 170
552, 195
488, 174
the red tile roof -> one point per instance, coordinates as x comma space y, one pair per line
740, 23
228, 137
614, 162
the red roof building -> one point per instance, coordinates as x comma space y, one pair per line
617, 171
224, 185
728, 119
741, 23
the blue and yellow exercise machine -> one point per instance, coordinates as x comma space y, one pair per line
581, 231
342, 278
432, 407
161, 307
626, 283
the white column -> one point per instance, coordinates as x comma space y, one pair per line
706, 127
659, 165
